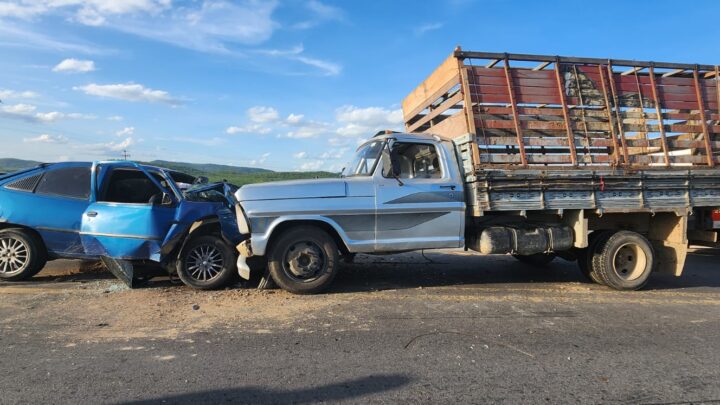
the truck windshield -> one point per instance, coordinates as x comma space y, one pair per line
365, 160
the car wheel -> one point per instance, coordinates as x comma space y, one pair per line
303, 260
207, 263
22, 255
624, 260
537, 260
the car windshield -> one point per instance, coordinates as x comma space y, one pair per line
365, 160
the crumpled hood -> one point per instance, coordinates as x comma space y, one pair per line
294, 189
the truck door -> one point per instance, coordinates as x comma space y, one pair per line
127, 217
424, 207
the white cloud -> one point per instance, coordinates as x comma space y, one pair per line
19, 109
74, 66
309, 129
27, 112
320, 12
427, 28
119, 146
127, 131
12, 94
293, 119
311, 166
263, 158
45, 138
91, 12
300, 155
249, 129
79, 116
50, 116
129, 92
207, 26
334, 153
296, 54
261, 115
358, 121
115, 118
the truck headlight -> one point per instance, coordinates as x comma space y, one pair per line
242, 220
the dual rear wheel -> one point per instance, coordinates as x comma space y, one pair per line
622, 260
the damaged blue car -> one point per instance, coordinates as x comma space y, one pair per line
128, 215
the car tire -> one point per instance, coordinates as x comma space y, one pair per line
207, 263
303, 260
22, 254
537, 260
585, 256
624, 260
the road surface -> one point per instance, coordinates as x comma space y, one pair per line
447, 327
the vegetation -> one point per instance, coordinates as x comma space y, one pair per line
233, 174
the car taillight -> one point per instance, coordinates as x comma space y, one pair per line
716, 218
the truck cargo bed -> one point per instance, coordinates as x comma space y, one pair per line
535, 111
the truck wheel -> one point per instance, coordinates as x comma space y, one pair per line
22, 255
207, 263
538, 259
585, 256
624, 260
303, 260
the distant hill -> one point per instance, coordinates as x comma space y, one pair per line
11, 165
206, 168
237, 175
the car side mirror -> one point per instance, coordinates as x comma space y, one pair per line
166, 199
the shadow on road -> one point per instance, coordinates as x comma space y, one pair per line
257, 395
433, 269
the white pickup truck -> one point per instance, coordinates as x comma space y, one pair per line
536, 172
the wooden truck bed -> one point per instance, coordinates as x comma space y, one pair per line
548, 112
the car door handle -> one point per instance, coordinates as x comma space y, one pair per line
91, 214
448, 187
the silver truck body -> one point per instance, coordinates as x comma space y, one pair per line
370, 214
374, 213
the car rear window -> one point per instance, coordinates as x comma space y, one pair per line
73, 182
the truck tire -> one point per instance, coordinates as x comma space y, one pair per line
207, 263
624, 260
22, 254
303, 260
537, 260
585, 256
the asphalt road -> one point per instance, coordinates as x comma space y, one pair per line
394, 329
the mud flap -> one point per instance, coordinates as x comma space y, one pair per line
122, 269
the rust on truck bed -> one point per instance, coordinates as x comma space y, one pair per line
534, 111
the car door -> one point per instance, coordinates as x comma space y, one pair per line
423, 207
61, 196
126, 218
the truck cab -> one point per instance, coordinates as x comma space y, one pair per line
401, 192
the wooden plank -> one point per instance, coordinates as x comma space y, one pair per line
566, 115
421, 95
513, 106
703, 119
469, 110
658, 110
443, 90
436, 112
608, 110
621, 131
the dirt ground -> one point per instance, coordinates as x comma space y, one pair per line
432, 303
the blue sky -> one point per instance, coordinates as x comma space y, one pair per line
286, 84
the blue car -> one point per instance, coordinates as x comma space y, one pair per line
126, 214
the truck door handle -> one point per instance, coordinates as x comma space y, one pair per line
91, 214
448, 187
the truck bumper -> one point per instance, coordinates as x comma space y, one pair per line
245, 250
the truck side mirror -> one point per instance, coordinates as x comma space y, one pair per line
395, 166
